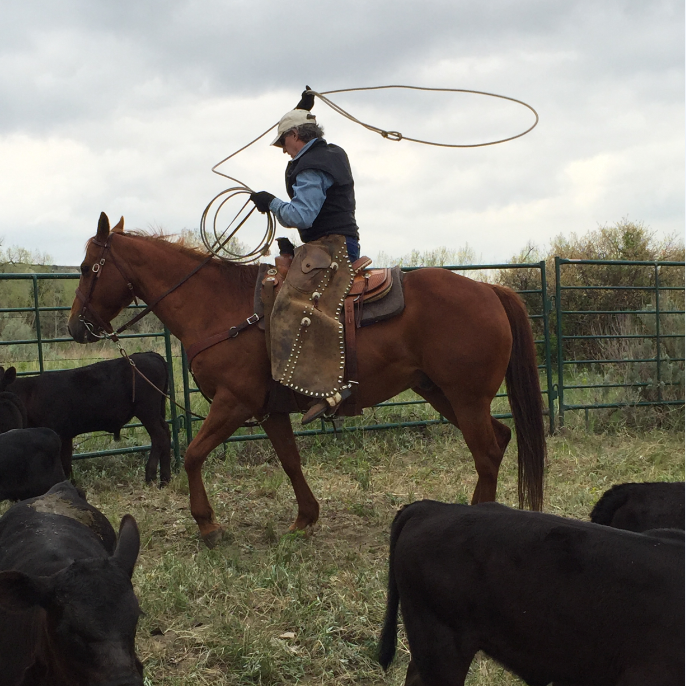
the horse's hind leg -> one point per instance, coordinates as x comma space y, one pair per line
278, 427
486, 443
483, 442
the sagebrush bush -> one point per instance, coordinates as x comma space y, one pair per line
623, 241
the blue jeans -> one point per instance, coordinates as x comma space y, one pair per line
353, 246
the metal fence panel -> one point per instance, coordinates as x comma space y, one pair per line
567, 360
181, 387
40, 340
350, 425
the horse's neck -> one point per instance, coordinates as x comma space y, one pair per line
201, 304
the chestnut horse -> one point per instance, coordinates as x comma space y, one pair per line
454, 343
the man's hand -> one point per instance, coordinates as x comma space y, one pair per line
262, 200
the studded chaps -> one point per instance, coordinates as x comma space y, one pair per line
307, 343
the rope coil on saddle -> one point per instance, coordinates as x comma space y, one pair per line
217, 241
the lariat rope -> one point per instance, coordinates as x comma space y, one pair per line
219, 243
222, 239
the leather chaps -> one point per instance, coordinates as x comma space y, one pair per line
307, 340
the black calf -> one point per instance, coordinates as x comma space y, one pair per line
29, 463
100, 397
643, 506
12, 411
68, 612
551, 599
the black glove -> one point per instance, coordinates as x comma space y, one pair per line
262, 200
285, 246
306, 101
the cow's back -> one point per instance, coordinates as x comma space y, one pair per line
43, 534
29, 463
641, 506
97, 397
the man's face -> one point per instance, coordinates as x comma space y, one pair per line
292, 144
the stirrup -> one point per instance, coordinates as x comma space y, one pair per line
327, 406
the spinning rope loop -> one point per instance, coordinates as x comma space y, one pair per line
217, 241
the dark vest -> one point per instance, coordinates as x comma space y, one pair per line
338, 211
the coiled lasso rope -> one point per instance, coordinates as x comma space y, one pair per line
218, 241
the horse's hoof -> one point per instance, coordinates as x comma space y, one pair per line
305, 531
213, 538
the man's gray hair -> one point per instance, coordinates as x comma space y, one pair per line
308, 132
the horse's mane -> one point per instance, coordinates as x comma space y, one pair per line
245, 275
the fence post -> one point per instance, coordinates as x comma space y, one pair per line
172, 397
187, 396
657, 332
39, 337
560, 356
546, 339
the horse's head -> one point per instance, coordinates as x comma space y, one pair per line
103, 291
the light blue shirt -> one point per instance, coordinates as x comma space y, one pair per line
309, 194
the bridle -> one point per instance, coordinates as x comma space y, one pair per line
111, 334
91, 319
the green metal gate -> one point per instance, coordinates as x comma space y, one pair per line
558, 341
658, 322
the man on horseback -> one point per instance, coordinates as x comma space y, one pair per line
307, 348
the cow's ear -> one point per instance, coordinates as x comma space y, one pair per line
119, 227
20, 592
128, 544
9, 377
103, 227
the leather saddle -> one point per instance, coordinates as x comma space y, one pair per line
377, 293
370, 284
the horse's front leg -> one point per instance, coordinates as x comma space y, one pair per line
222, 420
278, 427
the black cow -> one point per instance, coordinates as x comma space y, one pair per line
12, 410
551, 599
68, 612
29, 463
643, 506
100, 397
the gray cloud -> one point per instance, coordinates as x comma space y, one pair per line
126, 106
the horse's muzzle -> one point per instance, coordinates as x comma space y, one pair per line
79, 331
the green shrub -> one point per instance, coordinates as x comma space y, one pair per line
623, 241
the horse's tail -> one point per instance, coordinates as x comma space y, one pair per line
524, 394
389, 633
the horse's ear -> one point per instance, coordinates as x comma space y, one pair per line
119, 228
103, 227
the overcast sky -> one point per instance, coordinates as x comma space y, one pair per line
124, 107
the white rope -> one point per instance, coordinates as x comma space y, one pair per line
217, 241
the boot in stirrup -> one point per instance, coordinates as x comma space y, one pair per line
325, 407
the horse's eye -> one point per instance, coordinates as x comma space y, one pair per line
85, 269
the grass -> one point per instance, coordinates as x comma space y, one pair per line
267, 607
